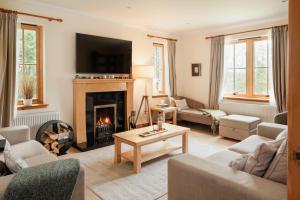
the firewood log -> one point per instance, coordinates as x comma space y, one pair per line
60, 146
47, 146
51, 134
46, 139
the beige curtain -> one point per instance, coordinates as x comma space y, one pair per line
172, 69
216, 73
279, 51
8, 29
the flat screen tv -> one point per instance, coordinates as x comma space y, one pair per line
101, 55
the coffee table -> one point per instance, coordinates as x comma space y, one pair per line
159, 141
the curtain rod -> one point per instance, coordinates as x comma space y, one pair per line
32, 15
249, 31
160, 37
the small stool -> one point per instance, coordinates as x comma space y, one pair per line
238, 127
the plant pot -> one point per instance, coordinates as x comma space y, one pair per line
27, 102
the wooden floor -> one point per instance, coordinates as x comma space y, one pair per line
198, 135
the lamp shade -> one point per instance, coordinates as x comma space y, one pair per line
143, 71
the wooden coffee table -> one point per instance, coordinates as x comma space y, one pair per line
153, 146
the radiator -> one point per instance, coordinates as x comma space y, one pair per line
35, 120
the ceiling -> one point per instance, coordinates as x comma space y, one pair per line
178, 15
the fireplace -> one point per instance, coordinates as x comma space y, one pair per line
105, 123
105, 115
94, 98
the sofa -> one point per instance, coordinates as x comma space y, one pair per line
194, 178
197, 113
33, 153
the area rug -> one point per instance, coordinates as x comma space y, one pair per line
150, 184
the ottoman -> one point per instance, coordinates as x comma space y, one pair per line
238, 127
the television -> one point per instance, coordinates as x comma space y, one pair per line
102, 55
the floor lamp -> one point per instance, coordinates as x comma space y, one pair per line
146, 73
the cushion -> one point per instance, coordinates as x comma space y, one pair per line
258, 162
278, 167
240, 122
240, 162
181, 104
28, 149
282, 135
249, 145
7, 145
223, 157
13, 162
40, 159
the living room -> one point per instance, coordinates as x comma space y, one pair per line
210, 80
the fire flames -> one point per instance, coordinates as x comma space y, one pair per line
104, 121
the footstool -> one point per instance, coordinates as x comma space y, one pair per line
238, 127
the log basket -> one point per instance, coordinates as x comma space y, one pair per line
56, 136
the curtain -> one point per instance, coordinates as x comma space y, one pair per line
172, 69
279, 51
8, 32
216, 73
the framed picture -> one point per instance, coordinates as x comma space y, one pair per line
196, 69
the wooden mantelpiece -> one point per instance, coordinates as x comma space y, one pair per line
83, 86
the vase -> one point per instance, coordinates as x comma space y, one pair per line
27, 102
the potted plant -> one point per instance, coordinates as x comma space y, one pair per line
27, 89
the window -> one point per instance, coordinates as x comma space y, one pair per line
29, 54
246, 74
159, 85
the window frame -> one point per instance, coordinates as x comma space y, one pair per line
39, 101
163, 92
250, 72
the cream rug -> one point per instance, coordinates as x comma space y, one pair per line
111, 181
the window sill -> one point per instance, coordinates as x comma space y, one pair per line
253, 99
159, 96
33, 106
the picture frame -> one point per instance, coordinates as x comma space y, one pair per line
196, 69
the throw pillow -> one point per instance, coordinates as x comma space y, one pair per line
239, 163
282, 135
278, 167
12, 161
259, 161
3, 169
181, 104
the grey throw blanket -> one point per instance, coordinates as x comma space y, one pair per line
53, 180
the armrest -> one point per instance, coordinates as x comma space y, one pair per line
270, 130
193, 178
16, 134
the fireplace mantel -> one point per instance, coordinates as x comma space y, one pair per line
83, 86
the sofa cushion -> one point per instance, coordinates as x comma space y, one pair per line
40, 159
181, 104
278, 167
282, 134
223, 157
28, 149
249, 144
240, 122
13, 162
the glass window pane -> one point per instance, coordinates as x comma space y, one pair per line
261, 53
240, 55
26, 74
228, 81
261, 81
229, 56
20, 46
30, 46
240, 81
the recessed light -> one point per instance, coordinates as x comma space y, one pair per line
128, 7
284, 1
187, 23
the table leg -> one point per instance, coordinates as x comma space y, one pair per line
185, 142
117, 151
163, 116
137, 159
174, 117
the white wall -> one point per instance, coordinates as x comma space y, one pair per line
194, 48
59, 50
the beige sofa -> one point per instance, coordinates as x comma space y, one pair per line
194, 178
196, 115
34, 154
